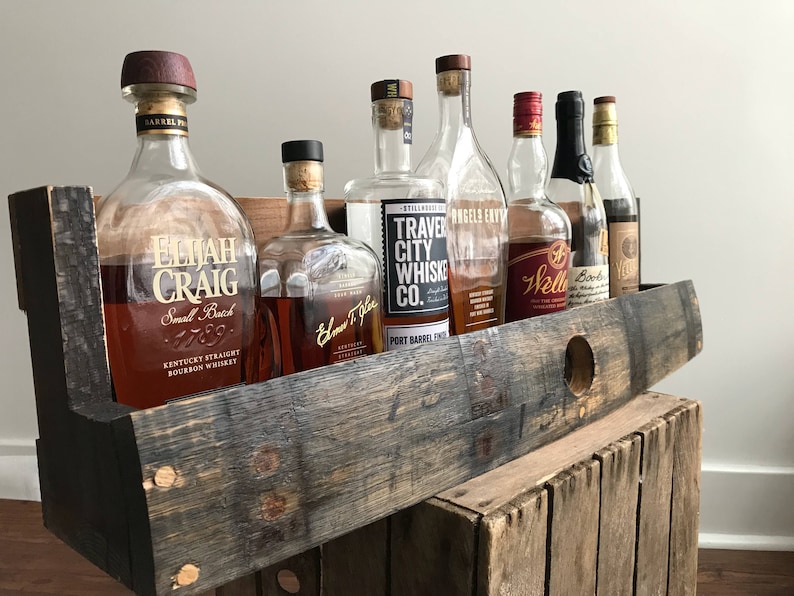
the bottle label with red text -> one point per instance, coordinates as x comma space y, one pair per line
537, 278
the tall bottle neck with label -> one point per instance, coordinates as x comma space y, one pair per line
619, 199
392, 120
572, 187
540, 232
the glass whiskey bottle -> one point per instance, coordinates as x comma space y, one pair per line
540, 231
477, 233
177, 254
620, 203
321, 291
571, 187
402, 217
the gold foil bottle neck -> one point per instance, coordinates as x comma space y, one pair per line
303, 176
605, 124
389, 113
450, 82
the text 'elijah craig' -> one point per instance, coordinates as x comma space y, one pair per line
177, 255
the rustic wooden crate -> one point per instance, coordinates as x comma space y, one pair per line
611, 508
205, 491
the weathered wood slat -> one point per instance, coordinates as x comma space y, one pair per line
299, 574
620, 481
215, 487
358, 563
653, 539
682, 576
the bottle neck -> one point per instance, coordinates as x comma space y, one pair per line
392, 121
570, 156
527, 167
305, 201
161, 122
454, 101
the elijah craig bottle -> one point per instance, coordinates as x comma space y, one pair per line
177, 255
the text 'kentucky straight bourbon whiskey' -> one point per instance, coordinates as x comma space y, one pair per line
321, 291
177, 255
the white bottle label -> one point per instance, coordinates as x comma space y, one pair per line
403, 336
587, 284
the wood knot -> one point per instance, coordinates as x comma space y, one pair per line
484, 445
187, 575
165, 477
266, 461
480, 349
273, 507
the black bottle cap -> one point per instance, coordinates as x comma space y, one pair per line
570, 104
301, 151
391, 89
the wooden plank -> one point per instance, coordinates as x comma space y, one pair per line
620, 482
245, 586
299, 574
433, 550
358, 563
490, 491
573, 530
653, 524
685, 501
512, 547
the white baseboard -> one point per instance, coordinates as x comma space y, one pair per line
19, 471
746, 507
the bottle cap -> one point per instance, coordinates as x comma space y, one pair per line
391, 89
528, 113
301, 151
156, 66
604, 99
569, 105
453, 62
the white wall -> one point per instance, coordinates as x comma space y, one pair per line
704, 92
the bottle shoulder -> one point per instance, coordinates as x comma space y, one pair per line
397, 186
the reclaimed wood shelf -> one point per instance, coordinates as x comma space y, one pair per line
207, 490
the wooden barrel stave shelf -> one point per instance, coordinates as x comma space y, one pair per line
206, 490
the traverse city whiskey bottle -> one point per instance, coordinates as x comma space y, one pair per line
540, 231
620, 202
321, 291
177, 255
477, 232
402, 217
571, 187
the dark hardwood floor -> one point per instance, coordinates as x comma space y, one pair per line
34, 562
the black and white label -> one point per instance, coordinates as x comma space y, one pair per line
415, 256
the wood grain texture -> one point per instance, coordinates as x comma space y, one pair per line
270, 470
653, 538
745, 573
433, 550
685, 501
512, 548
620, 483
358, 563
573, 530
299, 574
245, 586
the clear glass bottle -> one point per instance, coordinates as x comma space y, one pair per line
540, 231
321, 291
177, 255
620, 202
477, 232
571, 187
402, 217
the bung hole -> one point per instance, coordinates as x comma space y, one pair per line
579, 365
288, 581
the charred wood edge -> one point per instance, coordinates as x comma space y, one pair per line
92, 493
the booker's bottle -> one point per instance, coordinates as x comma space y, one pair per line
177, 255
476, 210
620, 202
571, 187
402, 217
321, 291
540, 232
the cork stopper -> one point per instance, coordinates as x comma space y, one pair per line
155, 66
453, 62
303, 165
391, 89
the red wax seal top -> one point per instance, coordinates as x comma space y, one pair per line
528, 113
155, 66
453, 62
